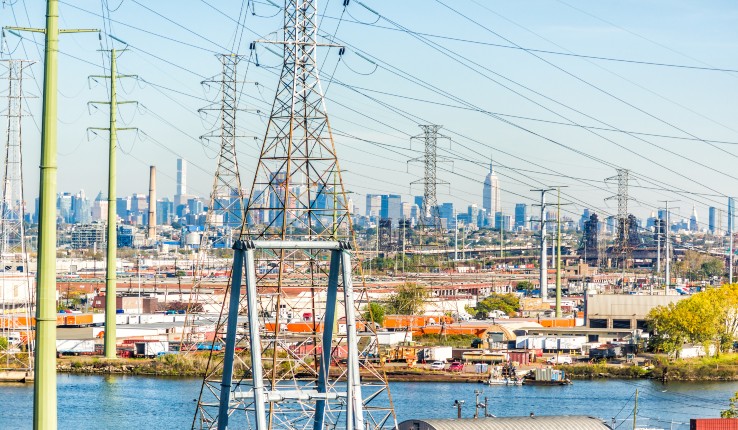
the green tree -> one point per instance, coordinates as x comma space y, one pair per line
374, 312
732, 411
526, 286
708, 318
507, 303
713, 267
409, 299
3, 343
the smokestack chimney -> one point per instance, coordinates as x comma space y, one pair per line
152, 203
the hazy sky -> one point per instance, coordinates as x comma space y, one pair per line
455, 63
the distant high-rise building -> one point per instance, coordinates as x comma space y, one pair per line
521, 216
712, 220
123, 207
446, 211
64, 207
406, 210
482, 217
394, 207
491, 193
100, 208
693, 221
81, 208
384, 206
180, 195
164, 211
472, 211
502, 221
139, 203
418, 200
373, 205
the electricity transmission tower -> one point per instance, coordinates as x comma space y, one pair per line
622, 241
430, 232
430, 136
16, 289
224, 216
226, 200
293, 302
12, 232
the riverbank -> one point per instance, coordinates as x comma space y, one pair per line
724, 368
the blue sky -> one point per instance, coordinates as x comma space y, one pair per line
173, 47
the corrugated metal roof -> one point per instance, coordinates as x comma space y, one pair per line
560, 422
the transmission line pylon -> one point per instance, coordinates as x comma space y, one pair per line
622, 241
225, 211
12, 231
297, 199
431, 233
430, 180
226, 199
17, 289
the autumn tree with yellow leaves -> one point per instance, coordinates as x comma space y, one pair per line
707, 318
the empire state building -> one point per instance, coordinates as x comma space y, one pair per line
491, 195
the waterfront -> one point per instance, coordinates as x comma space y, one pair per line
124, 402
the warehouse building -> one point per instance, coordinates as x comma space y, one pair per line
509, 423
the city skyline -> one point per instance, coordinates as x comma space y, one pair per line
522, 160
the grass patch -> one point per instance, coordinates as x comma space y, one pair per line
455, 340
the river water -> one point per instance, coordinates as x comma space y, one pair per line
136, 402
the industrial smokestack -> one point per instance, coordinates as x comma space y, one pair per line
152, 203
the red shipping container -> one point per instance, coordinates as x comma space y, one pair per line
713, 424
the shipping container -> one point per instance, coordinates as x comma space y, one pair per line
75, 347
713, 424
151, 349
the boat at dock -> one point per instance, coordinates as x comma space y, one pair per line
546, 376
506, 374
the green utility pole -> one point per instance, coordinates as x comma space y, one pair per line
44, 390
558, 255
110, 270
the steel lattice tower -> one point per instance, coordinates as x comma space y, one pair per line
430, 181
13, 253
622, 242
12, 231
224, 216
226, 200
297, 195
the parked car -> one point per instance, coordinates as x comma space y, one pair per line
455, 367
560, 359
438, 365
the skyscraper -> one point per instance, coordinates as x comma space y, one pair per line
712, 220
693, 221
179, 196
521, 216
373, 204
491, 193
